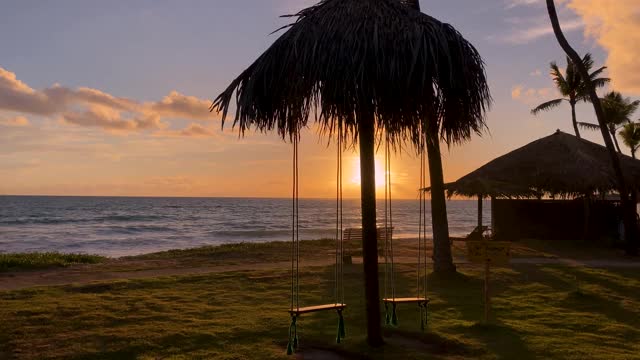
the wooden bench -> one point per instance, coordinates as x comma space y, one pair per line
476, 234
355, 234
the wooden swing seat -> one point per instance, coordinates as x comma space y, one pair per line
409, 300
317, 308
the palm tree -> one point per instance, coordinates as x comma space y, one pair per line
364, 65
630, 135
628, 206
442, 257
572, 88
617, 112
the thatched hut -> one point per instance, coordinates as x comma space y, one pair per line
560, 165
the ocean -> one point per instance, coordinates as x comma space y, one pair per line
122, 226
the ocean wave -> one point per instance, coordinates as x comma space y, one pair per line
70, 220
131, 230
43, 221
129, 218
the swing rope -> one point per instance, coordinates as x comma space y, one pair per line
339, 296
422, 236
391, 316
295, 255
339, 277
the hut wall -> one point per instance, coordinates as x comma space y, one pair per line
554, 219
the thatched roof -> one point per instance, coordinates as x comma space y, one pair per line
558, 164
346, 58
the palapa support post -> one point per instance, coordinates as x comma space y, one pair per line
488, 253
480, 211
487, 294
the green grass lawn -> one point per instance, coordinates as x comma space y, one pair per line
32, 261
540, 312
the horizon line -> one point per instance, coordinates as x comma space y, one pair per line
207, 197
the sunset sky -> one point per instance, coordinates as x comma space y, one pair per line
111, 97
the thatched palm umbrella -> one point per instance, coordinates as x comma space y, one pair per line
364, 65
558, 164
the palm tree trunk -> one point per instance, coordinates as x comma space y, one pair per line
629, 213
574, 118
442, 259
615, 141
369, 238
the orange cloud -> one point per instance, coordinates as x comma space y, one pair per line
182, 106
109, 119
616, 27
94, 108
532, 96
18, 121
193, 130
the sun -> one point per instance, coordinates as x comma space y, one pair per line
355, 172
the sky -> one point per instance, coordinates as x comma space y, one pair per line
110, 98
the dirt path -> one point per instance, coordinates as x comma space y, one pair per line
84, 274
142, 269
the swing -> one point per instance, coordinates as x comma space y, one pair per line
295, 311
390, 299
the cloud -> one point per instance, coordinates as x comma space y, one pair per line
18, 121
182, 106
535, 25
532, 96
19, 97
515, 3
536, 73
193, 130
529, 30
109, 119
516, 92
94, 108
616, 27
66, 96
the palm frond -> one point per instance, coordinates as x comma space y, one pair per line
559, 79
618, 109
594, 75
589, 126
547, 106
630, 135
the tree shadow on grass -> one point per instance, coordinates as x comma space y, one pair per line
463, 293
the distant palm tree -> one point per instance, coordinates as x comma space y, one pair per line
617, 111
629, 215
630, 135
572, 88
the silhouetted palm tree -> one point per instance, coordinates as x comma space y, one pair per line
364, 65
628, 205
572, 88
630, 135
617, 112
442, 257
